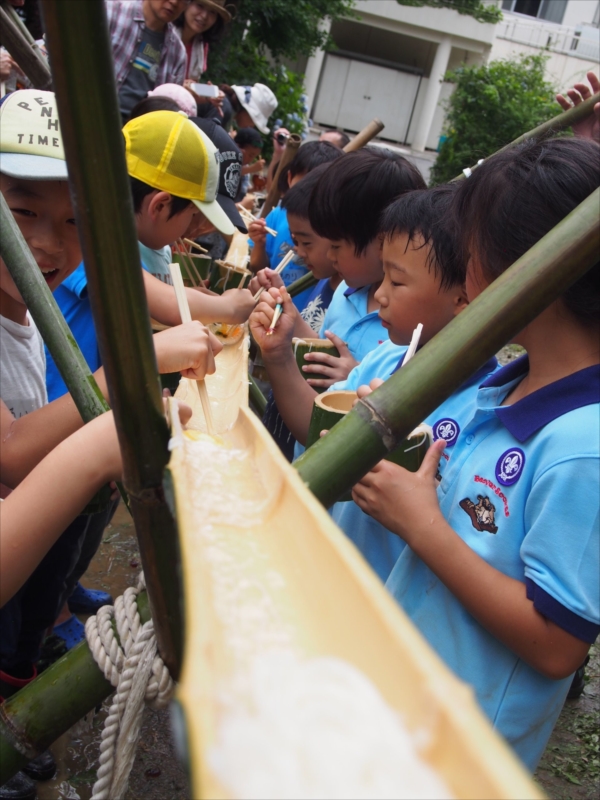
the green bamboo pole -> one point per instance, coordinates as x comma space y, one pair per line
381, 420
558, 123
18, 41
47, 316
257, 398
302, 284
82, 67
51, 704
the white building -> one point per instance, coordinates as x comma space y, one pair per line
390, 63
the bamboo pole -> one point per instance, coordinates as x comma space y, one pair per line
302, 284
32, 719
291, 148
47, 316
79, 45
19, 43
256, 397
546, 129
363, 137
382, 419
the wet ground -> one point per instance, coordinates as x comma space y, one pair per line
570, 768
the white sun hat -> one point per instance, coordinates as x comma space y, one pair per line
259, 101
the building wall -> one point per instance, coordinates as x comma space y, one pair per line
561, 70
580, 11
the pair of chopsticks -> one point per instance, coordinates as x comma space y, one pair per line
193, 273
279, 268
184, 311
248, 217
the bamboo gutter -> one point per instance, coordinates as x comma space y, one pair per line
546, 129
20, 44
82, 68
381, 420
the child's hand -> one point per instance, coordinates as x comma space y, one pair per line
365, 390
278, 344
403, 502
332, 369
588, 128
238, 304
266, 278
189, 349
257, 232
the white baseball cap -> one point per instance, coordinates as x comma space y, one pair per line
259, 101
31, 145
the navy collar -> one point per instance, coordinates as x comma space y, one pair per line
532, 413
351, 290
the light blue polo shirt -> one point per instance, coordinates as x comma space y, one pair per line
521, 489
348, 318
379, 546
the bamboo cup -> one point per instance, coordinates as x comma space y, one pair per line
227, 276
362, 138
304, 346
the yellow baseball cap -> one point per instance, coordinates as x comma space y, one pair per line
168, 152
31, 145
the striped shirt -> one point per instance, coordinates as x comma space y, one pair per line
126, 24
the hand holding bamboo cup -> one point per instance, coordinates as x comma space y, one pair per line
186, 316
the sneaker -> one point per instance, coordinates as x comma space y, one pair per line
71, 630
41, 768
88, 601
19, 787
578, 682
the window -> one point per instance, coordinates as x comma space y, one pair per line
551, 10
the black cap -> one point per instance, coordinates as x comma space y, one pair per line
249, 136
230, 172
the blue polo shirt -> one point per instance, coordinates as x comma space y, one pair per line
348, 318
379, 546
521, 489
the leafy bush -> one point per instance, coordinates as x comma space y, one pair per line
492, 105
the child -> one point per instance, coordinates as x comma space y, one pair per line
345, 207
501, 569
33, 180
423, 283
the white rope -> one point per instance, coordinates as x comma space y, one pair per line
131, 664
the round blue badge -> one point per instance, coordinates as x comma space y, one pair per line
446, 429
510, 466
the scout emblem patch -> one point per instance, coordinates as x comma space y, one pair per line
480, 513
510, 466
446, 429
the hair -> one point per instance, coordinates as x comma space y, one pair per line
297, 199
139, 190
149, 104
212, 35
423, 214
248, 136
232, 97
516, 197
309, 156
348, 200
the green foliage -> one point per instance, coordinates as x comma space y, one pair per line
474, 8
492, 105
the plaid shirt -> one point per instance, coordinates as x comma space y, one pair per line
126, 24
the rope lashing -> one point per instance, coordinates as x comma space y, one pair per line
132, 665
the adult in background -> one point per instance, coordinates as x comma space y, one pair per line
250, 143
338, 138
146, 49
201, 24
252, 105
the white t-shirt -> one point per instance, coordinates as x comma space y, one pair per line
22, 367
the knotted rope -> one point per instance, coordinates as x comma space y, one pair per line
131, 664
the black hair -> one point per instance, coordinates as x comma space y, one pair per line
309, 156
516, 197
212, 35
343, 138
297, 199
248, 136
351, 195
423, 214
149, 104
139, 190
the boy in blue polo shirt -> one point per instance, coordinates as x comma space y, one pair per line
345, 208
423, 283
501, 569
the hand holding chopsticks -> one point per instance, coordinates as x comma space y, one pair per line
280, 267
248, 218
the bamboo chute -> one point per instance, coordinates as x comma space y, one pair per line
363, 137
291, 148
382, 419
302, 284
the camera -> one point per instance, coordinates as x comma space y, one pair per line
281, 138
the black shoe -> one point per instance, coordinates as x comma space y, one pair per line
578, 683
41, 768
19, 787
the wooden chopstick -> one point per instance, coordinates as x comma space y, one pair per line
192, 243
279, 268
184, 311
251, 218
